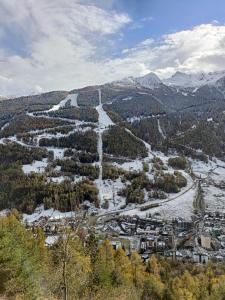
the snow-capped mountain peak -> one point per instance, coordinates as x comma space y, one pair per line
150, 80
127, 81
180, 79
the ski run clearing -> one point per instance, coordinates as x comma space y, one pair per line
103, 123
73, 102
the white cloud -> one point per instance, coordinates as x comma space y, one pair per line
198, 49
65, 44
62, 40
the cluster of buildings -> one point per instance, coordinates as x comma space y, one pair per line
198, 241
211, 233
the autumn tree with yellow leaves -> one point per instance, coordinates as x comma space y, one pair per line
79, 266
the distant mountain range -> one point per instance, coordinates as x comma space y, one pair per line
214, 81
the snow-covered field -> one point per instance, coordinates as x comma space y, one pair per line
214, 198
73, 102
218, 175
175, 206
212, 175
51, 214
36, 166
109, 192
180, 207
135, 165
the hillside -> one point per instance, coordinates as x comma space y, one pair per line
110, 146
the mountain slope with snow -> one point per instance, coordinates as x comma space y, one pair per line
150, 81
194, 80
119, 156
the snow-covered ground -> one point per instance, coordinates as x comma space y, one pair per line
200, 168
194, 80
51, 214
50, 240
103, 119
176, 205
160, 129
4, 212
4, 126
47, 135
135, 165
139, 118
58, 179
58, 152
104, 122
218, 175
214, 198
109, 192
127, 98
36, 166
214, 169
211, 173
71, 97
180, 207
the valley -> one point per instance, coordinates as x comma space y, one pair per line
112, 152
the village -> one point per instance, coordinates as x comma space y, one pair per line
197, 241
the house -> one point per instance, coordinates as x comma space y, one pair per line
199, 257
147, 243
173, 254
182, 225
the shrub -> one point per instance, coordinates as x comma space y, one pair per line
178, 162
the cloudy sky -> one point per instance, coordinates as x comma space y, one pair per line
64, 44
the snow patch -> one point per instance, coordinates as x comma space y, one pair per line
160, 129
73, 102
135, 165
51, 240
51, 214
36, 166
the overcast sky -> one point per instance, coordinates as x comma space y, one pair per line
64, 44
